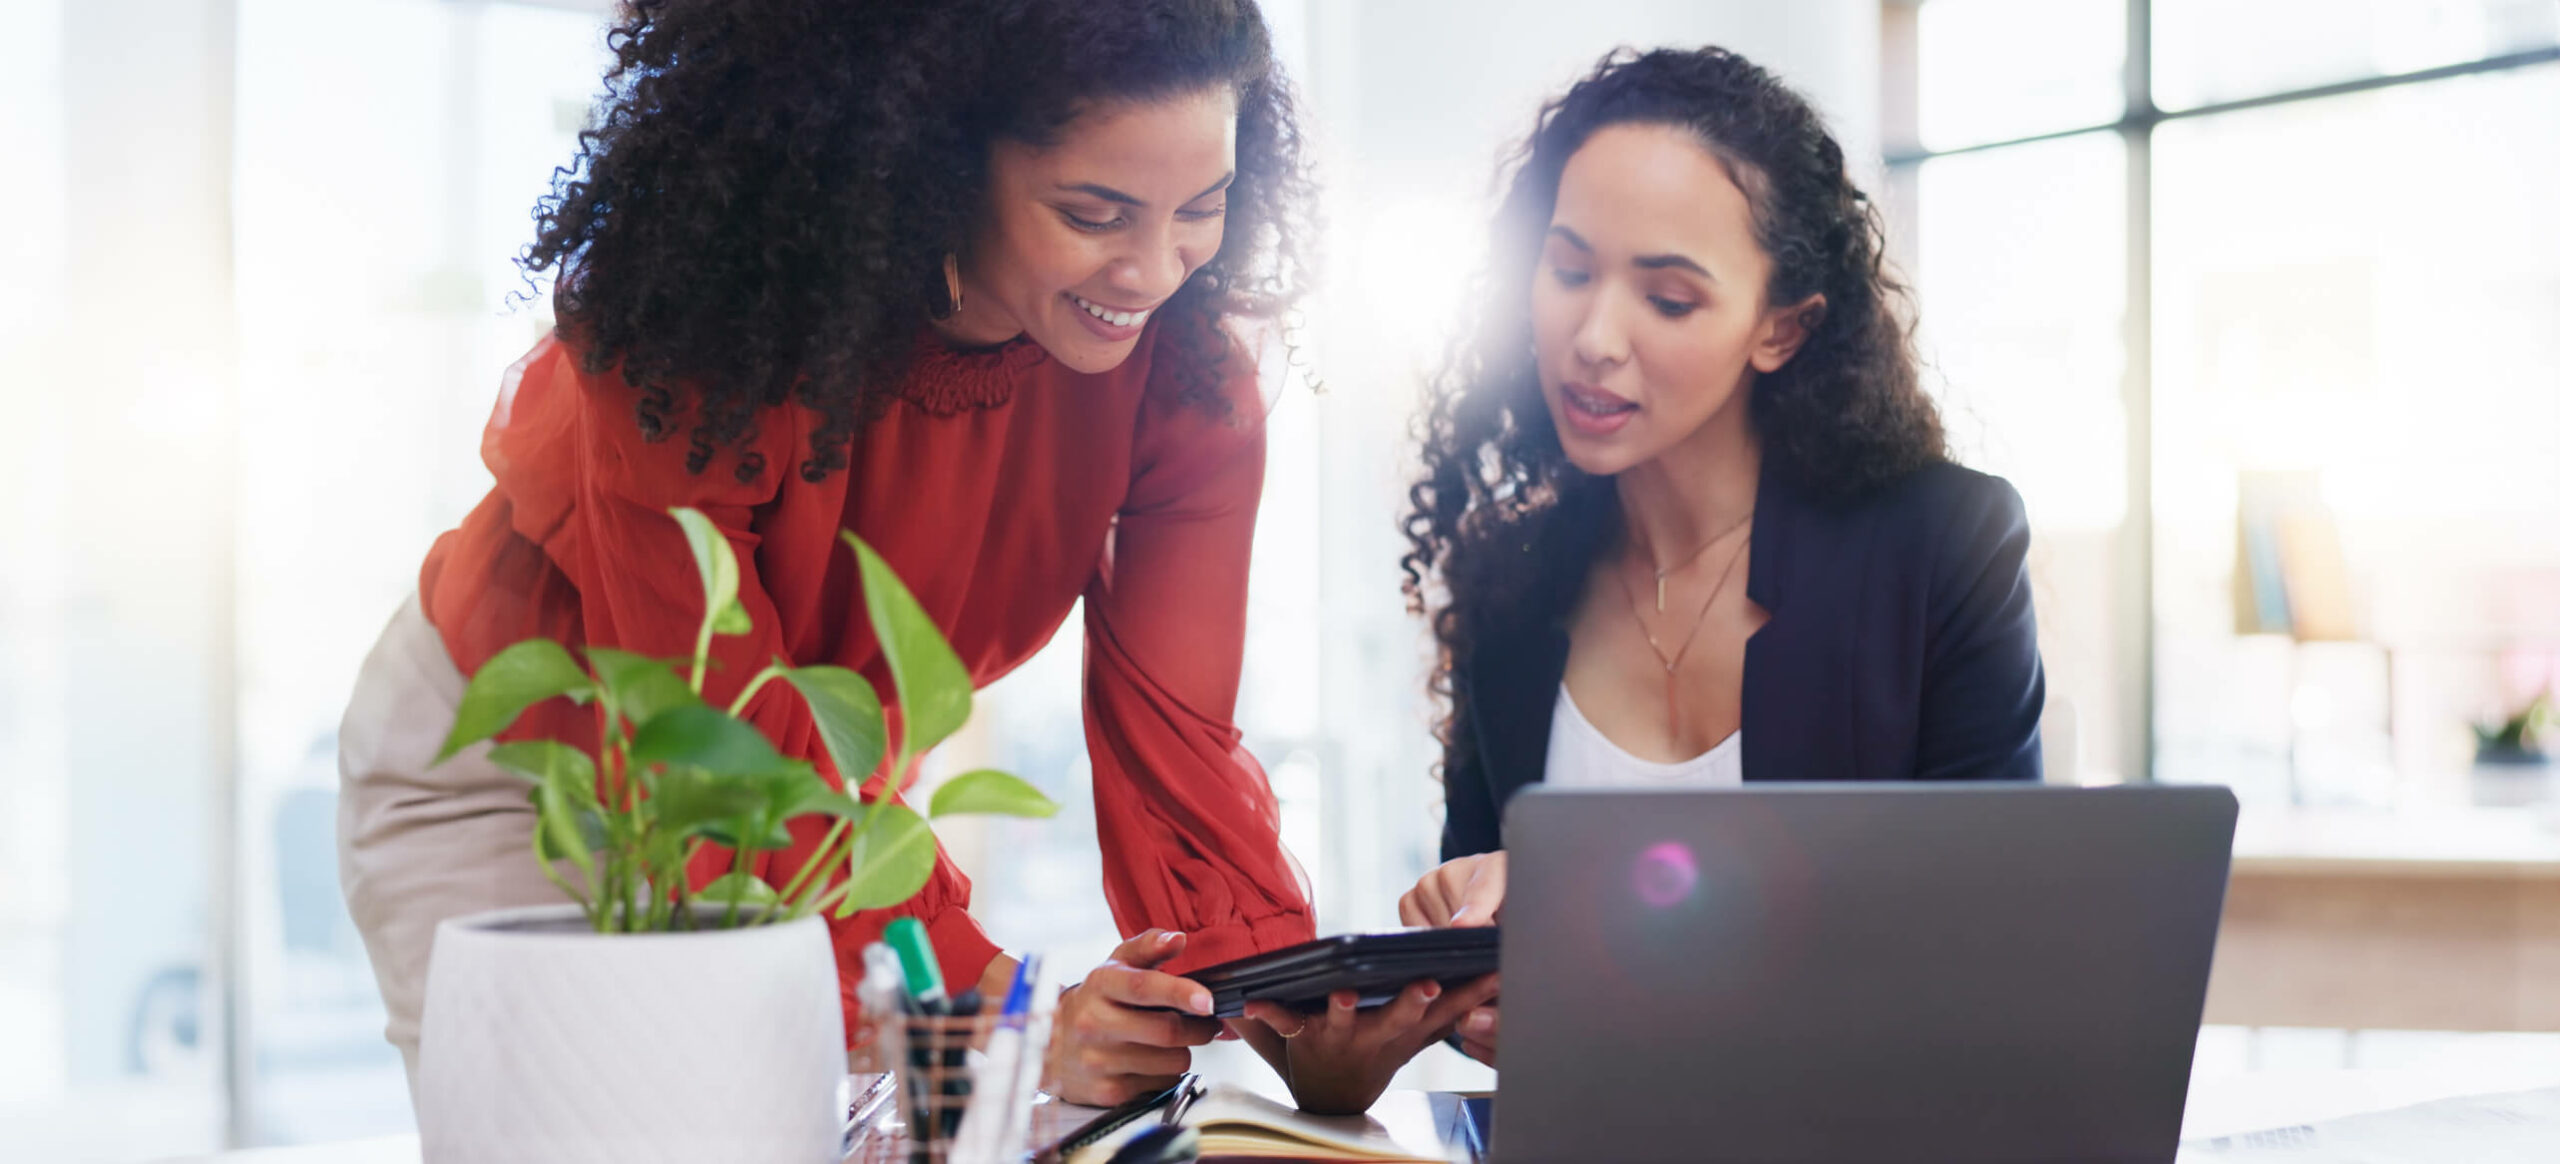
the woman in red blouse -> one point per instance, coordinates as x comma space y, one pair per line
964, 279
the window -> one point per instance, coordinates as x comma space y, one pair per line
2206, 52
1994, 70
2274, 353
2358, 295
2024, 338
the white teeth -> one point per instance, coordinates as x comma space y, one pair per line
1600, 406
1117, 318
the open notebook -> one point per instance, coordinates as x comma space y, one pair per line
1238, 1124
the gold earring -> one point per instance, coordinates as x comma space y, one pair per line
951, 279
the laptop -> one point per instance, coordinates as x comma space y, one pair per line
1856, 974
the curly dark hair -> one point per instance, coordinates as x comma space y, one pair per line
761, 211
1500, 519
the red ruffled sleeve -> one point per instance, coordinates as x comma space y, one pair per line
1189, 828
577, 478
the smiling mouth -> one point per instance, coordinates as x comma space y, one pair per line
1595, 402
1107, 315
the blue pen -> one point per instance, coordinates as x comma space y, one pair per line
1017, 1000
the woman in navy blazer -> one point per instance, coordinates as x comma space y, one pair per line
1900, 644
1688, 370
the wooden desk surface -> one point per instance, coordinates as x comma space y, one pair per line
2417, 919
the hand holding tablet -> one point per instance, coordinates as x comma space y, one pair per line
1375, 966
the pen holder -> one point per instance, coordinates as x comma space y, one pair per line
867, 1051
930, 1054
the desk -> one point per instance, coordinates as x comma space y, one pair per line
2215, 1107
2443, 919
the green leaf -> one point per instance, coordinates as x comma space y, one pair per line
849, 718
537, 760
989, 791
704, 737
766, 836
560, 822
798, 790
933, 688
690, 802
641, 687
744, 888
511, 681
717, 561
795, 789
819, 798
564, 796
892, 856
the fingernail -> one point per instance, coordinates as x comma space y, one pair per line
1200, 1004
1430, 990
1478, 1024
1169, 937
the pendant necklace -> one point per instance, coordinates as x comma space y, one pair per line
1662, 574
1671, 660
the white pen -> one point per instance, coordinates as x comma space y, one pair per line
994, 1093
1034, 1056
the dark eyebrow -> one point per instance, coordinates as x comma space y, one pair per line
1107, 194
1216, 186
1683, 262
1643, 262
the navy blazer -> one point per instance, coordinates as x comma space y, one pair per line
1901, 645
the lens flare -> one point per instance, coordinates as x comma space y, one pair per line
1665, 874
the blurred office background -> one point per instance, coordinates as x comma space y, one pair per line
2256, 301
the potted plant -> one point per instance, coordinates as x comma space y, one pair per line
648, 1019
2524, 739
2511, 759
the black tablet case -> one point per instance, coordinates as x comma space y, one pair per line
1375, 965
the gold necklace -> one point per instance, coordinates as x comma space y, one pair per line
1662, 574
1671, 662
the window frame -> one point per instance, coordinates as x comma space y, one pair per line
2136, 632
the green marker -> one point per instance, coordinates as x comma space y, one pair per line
923, 971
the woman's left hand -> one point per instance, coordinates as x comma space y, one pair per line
1339, 1060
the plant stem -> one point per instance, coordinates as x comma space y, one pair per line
824, 857
635, 882
608, 894
738, 707
702, 653
737, 893
837, 893
542, 857
833, 895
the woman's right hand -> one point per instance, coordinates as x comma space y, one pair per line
1457, 895
1461, 893
1128, 1028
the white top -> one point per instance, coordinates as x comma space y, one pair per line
1578, 756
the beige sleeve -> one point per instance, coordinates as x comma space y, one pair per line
419, 844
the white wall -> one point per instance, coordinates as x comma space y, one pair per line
147, 288
115, 721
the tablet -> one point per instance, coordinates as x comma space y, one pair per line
1376, 965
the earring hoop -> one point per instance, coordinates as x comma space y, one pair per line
951, 282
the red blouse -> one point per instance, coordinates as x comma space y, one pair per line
1003, 486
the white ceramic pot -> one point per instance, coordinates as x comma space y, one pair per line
545, 1041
